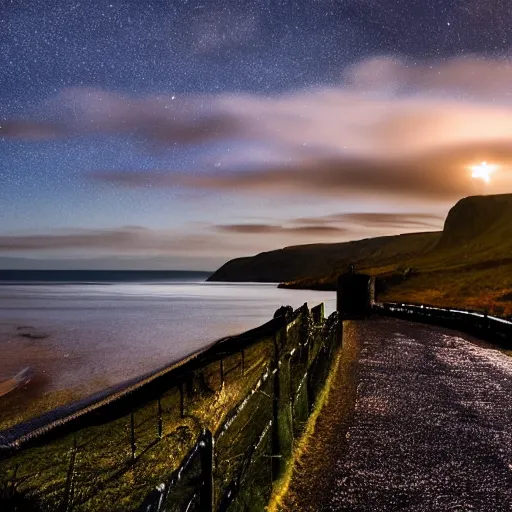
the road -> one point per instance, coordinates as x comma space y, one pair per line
430, 428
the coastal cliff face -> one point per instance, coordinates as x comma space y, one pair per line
484, 220
469, 263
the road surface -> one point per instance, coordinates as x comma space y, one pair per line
430, 428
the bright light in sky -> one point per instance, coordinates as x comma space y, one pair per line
483, 171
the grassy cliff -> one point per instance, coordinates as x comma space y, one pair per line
471, 265
468, 264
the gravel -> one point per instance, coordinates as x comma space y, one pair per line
432, 425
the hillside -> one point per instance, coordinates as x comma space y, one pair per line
471, 265
468, 264
315, 261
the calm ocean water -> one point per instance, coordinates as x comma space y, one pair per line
86, 337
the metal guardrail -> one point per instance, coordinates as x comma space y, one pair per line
476, 323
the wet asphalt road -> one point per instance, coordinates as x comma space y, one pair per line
431, 428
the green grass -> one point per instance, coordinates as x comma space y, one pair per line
103, 473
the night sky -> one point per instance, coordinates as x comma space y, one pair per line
180, 134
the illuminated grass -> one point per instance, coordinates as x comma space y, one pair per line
299, 487
303, 444
103, 471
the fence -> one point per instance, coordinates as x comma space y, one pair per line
479, 324
212, 433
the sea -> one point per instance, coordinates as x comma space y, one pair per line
73, 338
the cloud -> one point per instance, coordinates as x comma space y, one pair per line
376, 93
30, 130
468, 78
378, 220
339, 224
164, 119
136, 242
392, 127
220, 241
443, 174
101, 239
129, 239
134, 179
271, 229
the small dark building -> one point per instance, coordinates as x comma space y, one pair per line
355, 295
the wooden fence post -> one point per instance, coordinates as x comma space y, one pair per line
132, 436
282, 432
160, 421
13, 479
275, 409
68, 492
221, 373
182, 400
207, 487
